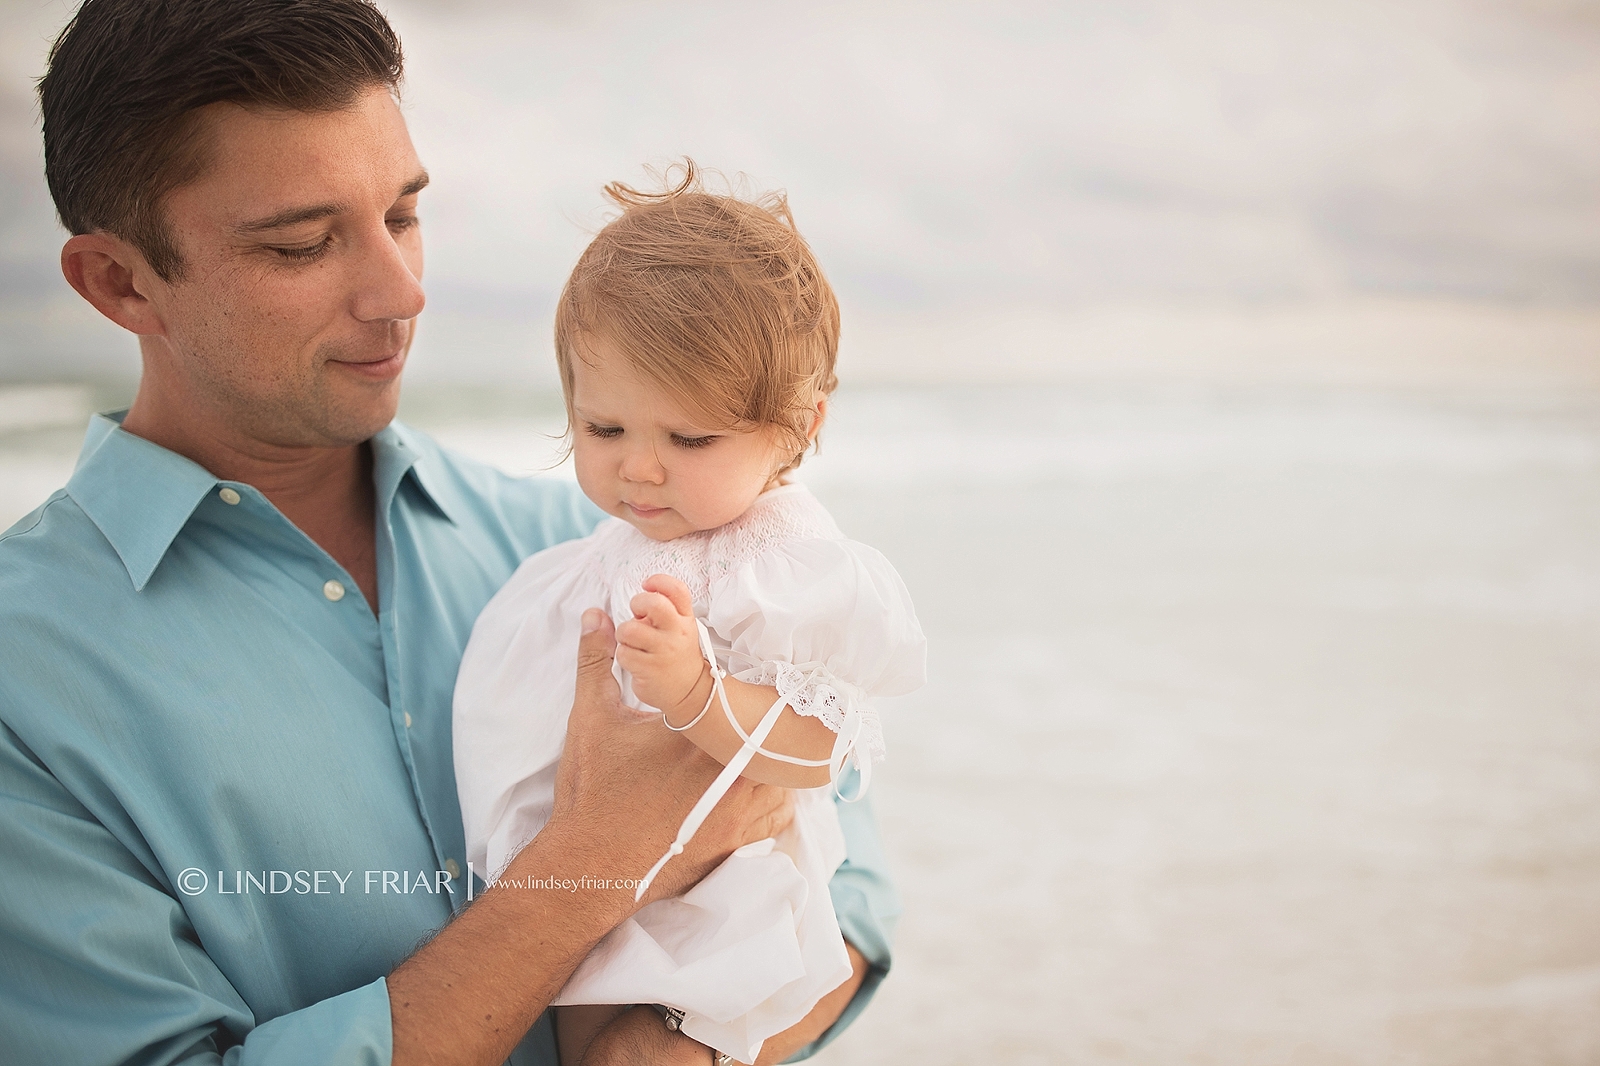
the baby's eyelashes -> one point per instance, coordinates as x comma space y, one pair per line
604, 432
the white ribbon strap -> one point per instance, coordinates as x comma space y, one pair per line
843, 746
719, 788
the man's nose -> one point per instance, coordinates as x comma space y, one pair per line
389, 285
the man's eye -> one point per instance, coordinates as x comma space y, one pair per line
693, 442
603, 432
403, 223
303, 252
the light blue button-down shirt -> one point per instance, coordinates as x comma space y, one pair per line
227, 800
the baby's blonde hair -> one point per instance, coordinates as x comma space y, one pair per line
716, 299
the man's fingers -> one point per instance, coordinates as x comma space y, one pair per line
676, 592
748, 813
772, 809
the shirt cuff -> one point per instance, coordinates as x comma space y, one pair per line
351, 1028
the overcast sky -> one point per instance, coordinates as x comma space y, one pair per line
963, 155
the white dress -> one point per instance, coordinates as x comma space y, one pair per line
788, 602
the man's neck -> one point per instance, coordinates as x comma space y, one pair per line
327, 492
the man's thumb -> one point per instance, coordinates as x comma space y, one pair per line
597, 643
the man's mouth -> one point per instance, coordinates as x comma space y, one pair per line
380, 368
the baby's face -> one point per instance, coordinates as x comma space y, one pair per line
641, 457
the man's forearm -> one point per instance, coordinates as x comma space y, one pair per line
470, 994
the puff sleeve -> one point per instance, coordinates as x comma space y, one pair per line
829, 623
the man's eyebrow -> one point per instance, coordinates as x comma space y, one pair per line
296, 215
292, 216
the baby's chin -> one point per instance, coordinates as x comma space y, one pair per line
669, 525
659, 535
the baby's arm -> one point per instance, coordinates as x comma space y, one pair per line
660, 647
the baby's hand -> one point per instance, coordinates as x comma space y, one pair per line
660, 645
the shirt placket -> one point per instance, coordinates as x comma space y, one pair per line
390, 596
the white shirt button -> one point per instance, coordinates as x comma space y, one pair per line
408, 719
452, 868
229, 496
334, 591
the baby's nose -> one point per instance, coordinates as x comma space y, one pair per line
642, 465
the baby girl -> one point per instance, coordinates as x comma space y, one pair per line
696, 340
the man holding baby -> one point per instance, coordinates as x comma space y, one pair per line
230, 641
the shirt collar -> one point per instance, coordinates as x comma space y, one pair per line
141, 495
401, 453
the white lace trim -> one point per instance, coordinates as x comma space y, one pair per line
815, 694
627, 557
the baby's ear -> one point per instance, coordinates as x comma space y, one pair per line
819, 415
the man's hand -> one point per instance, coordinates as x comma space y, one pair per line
623, 787
627, 782
660, 645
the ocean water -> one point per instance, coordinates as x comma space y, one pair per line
1260, 724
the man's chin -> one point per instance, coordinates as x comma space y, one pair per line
354, 415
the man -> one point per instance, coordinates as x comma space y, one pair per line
227, 804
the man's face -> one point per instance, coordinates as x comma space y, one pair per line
302, 265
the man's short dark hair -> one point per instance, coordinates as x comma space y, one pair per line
126, 78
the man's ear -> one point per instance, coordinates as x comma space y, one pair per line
819, 415
109, 273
